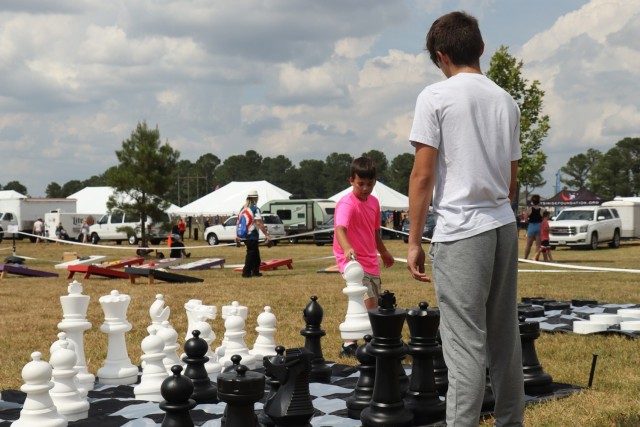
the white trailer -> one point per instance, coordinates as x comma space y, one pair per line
629, 210
23, 212
71, 222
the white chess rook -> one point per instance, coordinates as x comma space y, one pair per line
38, 409
356, 323
117, 367
265, 344
74, 323
154, 372
65, 394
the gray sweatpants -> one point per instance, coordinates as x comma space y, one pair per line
476, 283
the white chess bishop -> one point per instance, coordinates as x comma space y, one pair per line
65, 394
265, 344
38, 409
154, 372
117, 367
356, 323
74, 323
159, 312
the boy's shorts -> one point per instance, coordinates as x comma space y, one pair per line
533, 229
373, 285
545, 244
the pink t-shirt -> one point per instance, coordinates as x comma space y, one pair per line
362, 221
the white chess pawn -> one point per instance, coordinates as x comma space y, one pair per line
212, 366
196, 310
356, 324
65, 394
159, 312
237, 310
265, 344
38, 409
62, 337
74, 323
234, 342
171, 346
117, 367
154, 371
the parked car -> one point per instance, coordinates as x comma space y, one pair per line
226, 232
427, 232
112, 226
321, 236
586, 226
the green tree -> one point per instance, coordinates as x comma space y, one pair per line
579, 168
506, 72
617, 172
382, 164
278, 171
54, 190
310, 183
145, 174
16, 186
399, 172
206, 167
337, 170
70, 187
242, 167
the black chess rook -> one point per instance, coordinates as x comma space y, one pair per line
240, 390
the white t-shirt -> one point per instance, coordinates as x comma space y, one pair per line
475, 125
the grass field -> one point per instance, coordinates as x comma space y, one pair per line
30, 311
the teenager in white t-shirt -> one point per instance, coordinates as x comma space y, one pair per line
466, 136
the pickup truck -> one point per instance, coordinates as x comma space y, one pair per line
586, 226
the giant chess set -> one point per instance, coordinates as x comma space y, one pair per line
234, 385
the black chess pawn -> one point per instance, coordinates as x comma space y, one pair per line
235, 362
195, 348
312, 333
387, 407
363, 391
176, 391
273, 383
422, 398
291, 405
240, 390
536, 381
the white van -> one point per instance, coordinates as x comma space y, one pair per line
107, 229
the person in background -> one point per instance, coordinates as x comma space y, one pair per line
252, 260
84, 229
182, 226
534, 219
466, 135
357, 234
177, 248
545, 247
38, 230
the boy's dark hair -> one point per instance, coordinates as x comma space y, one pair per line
364, 167
457, 34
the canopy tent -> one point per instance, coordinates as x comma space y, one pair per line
93, 200
228, 200
390, 199
11, 194
582, 197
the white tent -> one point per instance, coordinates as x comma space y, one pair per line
390, 199
11, 194
93, 200
228, 200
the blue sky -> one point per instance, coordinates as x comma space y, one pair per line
303, 78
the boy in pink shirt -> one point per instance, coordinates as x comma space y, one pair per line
357, 233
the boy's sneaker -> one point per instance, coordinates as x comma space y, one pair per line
349, 350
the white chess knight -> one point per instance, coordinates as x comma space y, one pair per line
356, 324
154, 372
38, 409
74, 323
117, 367
233, 343
171, 346
195, 312
159, 312
65, 394
265, 344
